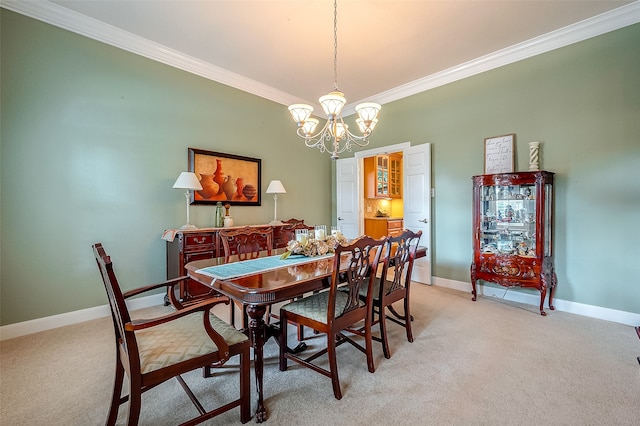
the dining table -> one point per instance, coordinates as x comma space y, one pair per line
259, 283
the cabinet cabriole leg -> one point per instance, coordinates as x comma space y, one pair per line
473, 282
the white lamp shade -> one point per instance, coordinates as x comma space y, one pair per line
300, 112
341, 130
368, 111
276, 187
332, 103
310, 126
187, 180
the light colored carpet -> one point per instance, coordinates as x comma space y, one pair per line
489, 362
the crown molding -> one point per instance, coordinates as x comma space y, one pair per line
67, 19
70, 20
583, 30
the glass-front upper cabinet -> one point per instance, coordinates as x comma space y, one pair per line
513, 234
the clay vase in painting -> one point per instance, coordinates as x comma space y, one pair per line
240, 187
209, 187
229, 187
219, 177
249, 191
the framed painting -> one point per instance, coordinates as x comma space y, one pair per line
499, 154
231, 179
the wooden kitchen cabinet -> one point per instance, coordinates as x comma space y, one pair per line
512, 232
395, 176
383, 176
382, 227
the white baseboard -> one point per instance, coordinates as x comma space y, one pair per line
42, 324
515, 294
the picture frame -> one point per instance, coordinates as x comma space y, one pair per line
230, 179
499, 154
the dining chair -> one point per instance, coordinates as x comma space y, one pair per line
245, 243
336, 310
393, 285
153, 351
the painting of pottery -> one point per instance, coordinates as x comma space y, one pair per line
228, 178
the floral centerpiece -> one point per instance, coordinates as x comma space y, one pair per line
313, 247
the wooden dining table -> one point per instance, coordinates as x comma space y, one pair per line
256, 291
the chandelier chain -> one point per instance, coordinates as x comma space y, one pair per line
334, 136
335, 44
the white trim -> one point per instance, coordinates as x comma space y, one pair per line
47, 323
515, 295
67, 19
383, 150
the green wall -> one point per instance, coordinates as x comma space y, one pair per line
582, 102
93, 138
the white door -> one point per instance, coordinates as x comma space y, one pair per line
417, 203
347, 199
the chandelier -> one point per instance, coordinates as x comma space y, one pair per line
335, 136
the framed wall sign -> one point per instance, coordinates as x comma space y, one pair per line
498, 154
231, 179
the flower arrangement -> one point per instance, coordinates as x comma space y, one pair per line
313, 247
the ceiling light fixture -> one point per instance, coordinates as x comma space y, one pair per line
335, 132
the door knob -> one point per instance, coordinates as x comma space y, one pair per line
422, 220
339, 218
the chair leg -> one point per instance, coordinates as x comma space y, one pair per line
382, 317
368, 343
245, 386
117, 390
283, 342
407, 319
135, 402
333, 366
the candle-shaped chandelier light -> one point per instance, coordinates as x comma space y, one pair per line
335, 136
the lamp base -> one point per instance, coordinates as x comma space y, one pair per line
275, 222
188, 227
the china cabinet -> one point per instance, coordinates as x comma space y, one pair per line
512, 232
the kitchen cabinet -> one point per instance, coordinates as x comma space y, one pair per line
382, 227
395, 176
383, 176
512, 232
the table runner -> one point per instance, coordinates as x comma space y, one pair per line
258, 265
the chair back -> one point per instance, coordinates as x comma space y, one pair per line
288, 230
126, 340
354, 268
400, 252
247, 242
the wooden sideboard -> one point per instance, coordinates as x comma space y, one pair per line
205, 243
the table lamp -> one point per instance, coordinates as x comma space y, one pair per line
188, 181
275, 187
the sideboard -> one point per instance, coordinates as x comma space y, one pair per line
204, 243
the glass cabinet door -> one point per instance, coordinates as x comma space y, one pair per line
507, 219
382, 175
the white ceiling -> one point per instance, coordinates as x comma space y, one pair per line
283, 49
